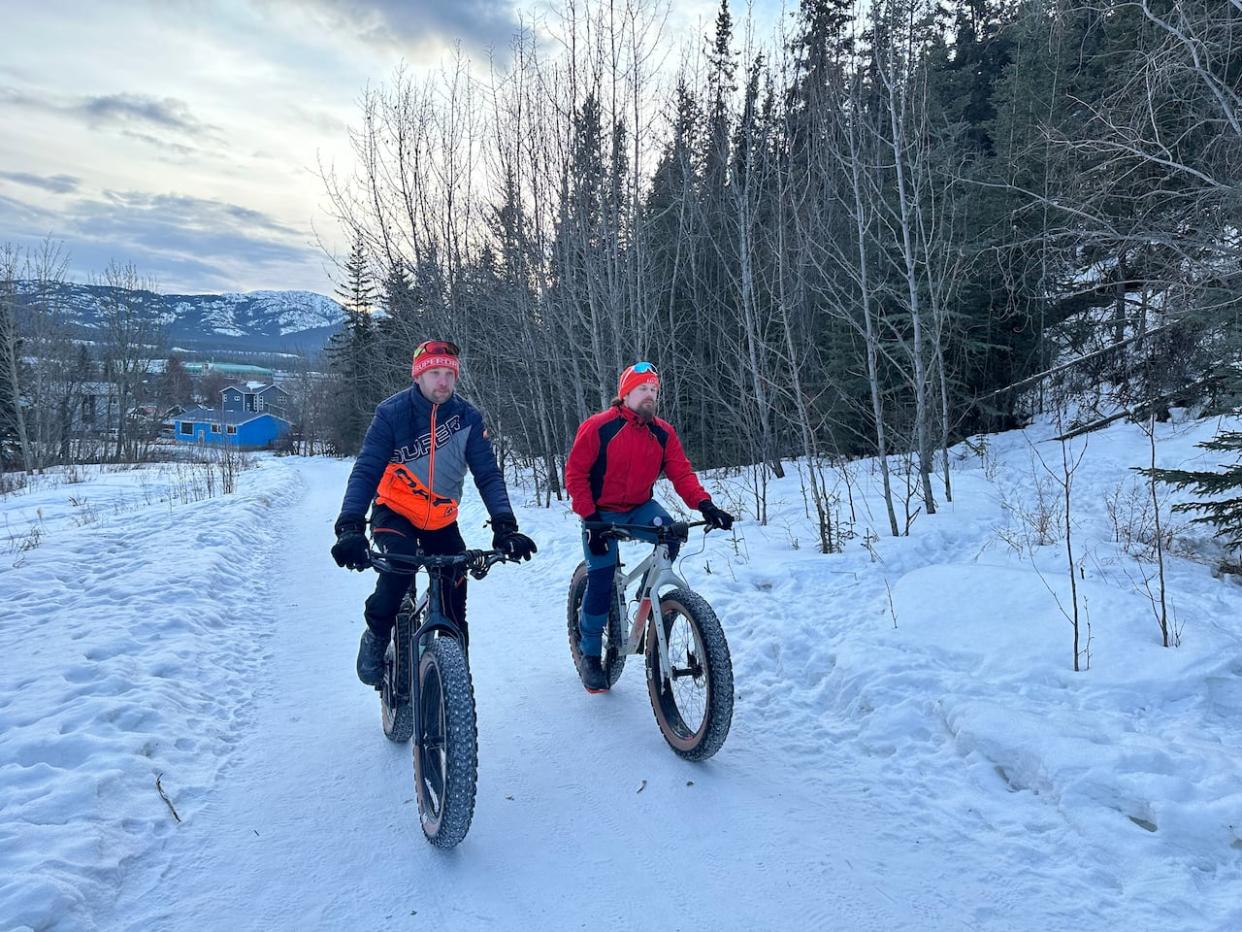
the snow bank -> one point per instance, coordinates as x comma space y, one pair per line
950, 651
128, 649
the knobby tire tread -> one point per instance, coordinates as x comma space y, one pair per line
461, 742
398, 722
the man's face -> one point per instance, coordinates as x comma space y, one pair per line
437, 385
642, 400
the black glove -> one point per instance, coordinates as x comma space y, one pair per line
597, 543
716, 519
350, 549
508, 540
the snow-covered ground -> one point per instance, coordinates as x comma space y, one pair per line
911, 748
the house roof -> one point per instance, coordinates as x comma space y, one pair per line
216, 416
251, 388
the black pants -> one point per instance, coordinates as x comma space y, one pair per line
395, 534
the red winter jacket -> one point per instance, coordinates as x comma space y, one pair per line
616, 460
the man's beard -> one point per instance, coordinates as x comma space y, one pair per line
646, 410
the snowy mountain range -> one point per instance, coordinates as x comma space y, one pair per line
255, 320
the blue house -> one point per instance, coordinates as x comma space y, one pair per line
251, 415
255, 396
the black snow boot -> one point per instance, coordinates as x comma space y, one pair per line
371, 658
593, 676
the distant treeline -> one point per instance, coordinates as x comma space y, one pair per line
849, 238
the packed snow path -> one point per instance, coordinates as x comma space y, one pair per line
315, 825
855, 791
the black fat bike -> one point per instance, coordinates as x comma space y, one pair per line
426, 693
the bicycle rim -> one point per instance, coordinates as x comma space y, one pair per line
686, 697
431, 749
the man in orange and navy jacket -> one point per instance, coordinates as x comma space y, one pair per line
410, 473
612, 469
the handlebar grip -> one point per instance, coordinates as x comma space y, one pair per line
485, 561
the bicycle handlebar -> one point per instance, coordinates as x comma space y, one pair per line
477, 562
678, 530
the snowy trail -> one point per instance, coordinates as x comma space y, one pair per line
908, 751
314, 824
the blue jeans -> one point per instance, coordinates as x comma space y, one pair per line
600, 570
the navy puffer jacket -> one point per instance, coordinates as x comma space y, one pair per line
414, 459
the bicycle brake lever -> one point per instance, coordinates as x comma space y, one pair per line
481, 565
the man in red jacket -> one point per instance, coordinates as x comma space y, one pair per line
612, 468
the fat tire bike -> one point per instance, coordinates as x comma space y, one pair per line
689, 670
427, 694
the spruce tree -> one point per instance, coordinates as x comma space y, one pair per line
398, 331
356, 293
352, 355
1223, 514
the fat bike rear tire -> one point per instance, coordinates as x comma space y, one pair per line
613, 658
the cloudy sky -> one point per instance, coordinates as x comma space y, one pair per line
185, 135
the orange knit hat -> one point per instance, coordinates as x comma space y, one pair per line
638, 374
435, 354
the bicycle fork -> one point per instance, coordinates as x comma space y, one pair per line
427, 617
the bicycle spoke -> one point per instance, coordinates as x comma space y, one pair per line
433, 777
687, 686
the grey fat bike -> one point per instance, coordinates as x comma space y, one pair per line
426, 692
689, 671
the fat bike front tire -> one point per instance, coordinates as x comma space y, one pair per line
446, 756
695, 708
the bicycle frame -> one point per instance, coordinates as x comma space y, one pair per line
426, 615
423, 619
409, 612
656, 574
435, 620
